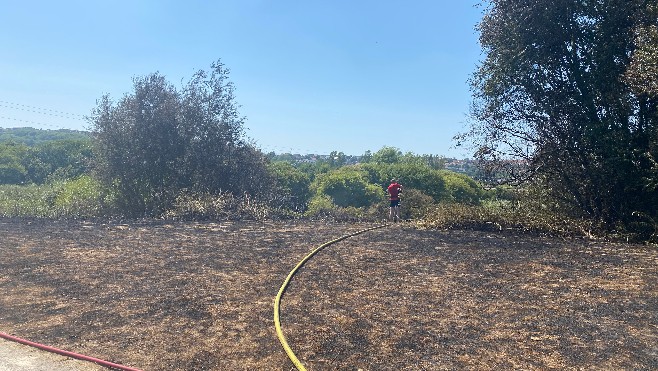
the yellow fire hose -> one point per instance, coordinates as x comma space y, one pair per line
277, 300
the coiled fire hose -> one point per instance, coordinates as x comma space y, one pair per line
277, 300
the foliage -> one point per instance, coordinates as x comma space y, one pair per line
74, 198
323, 207
411, 176
59, 159
291, 186
423, 173
12, 169
26, 200
532, 208
158, 141
462, 189
533, 211
81, 197
642, 73
347, 186
387, 155
34, 137
363, 186
553, 92
391, 155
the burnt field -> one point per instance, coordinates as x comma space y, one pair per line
199, 296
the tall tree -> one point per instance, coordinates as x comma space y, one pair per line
158, 140
553, 91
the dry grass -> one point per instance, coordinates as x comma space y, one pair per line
198, 296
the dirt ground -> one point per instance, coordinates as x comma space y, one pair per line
18, 357
199, 296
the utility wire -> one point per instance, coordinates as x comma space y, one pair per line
73, 116
41, 111
31, 122
7, 108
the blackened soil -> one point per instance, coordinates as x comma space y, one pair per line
199, 296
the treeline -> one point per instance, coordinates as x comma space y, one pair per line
32, 137
31, 156
181, 152
326, 186
336, 185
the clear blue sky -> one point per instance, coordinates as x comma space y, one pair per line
311, 76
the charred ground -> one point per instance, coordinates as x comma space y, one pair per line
198, 296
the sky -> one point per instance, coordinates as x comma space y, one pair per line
310, 76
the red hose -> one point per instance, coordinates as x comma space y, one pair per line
67, 353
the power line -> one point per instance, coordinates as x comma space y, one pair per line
73, 116
41, 111
31, 111
30, 122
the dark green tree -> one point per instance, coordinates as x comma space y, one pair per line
159, 140
642, 74
58, 159
12, 170
553, 95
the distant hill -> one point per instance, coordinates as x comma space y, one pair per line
32, 137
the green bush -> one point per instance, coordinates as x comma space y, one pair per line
501, 217
25, 201
347, 186
291, 186
322, 206
81, 197
411, 175
461, 188
12, 170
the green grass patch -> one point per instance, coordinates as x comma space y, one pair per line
82, 197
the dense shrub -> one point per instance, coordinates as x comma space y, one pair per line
529, 208
502, 217
291, 186
82, 197
159, 140
461, 188
411, 175
12, 168
26, 201
322, 207
347, 186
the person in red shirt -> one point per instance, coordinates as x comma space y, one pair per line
394, 191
